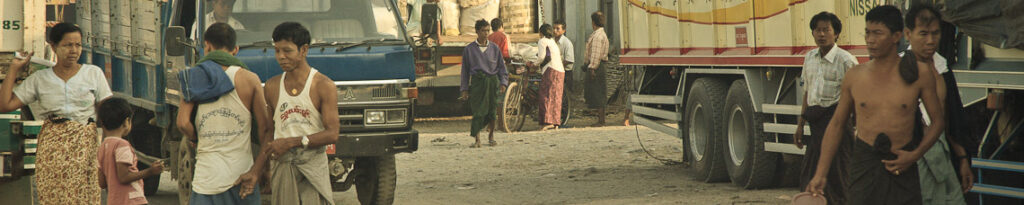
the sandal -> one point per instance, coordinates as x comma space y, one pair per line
492, 143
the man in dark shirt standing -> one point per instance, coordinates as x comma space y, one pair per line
483, 78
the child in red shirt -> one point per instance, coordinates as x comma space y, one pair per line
118, 171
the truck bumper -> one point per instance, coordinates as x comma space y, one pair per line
376, 143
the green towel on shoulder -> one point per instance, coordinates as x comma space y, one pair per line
223, 58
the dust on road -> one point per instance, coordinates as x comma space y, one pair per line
567, 166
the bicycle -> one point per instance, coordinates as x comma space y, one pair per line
521, 98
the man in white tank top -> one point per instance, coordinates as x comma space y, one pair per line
225, 171
304, 104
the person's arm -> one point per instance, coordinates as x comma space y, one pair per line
800, 121
505, 44
125, 176
9, 102
503, 76
966, 175
833, 134
103, 179
184, 120
929, 96
102, 89
568, 57
123, 160
593, 59
265, 125
464, 76
328, 114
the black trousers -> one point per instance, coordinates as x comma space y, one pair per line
818, 118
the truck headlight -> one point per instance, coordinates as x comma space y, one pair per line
375, 116
396, 116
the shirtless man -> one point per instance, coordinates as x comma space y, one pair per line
884, 94
938, 186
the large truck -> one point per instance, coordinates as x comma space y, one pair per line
357, 43
723, 76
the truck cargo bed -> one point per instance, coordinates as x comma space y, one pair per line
515, 38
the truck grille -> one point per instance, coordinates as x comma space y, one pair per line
385, 92
351, 119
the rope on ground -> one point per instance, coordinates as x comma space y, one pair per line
663, 161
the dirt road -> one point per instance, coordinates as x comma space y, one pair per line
566, 166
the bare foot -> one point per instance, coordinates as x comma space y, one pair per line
548, 127
493, 143
475, 145
626, 122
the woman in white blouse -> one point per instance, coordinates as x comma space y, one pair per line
67, 167
549, 58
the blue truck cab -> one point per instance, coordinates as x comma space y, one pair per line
360, 44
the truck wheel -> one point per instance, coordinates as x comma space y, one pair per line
186, 166
376, 183
703, 113
146, 138
748, 165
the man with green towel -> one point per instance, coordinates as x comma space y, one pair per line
221, 129
483, 78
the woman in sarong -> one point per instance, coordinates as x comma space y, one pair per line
67, 167
549, 59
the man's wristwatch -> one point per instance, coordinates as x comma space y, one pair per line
305, 141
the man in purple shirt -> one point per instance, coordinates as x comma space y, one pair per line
483, 78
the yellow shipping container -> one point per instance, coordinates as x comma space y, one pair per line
733, 32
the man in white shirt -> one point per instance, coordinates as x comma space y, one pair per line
822, 75
221, 13
568, 56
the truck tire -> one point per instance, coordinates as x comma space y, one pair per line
376, 183
146, 138
185, 166
701, 136
748, 165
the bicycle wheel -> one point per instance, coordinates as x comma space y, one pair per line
566, 109
511, 116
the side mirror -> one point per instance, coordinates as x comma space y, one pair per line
175, 42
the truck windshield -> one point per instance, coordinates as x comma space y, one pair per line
328, 21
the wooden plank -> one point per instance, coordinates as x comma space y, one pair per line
656, 99
780, 109
785, 128
783, 148
668, 115
656, 126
